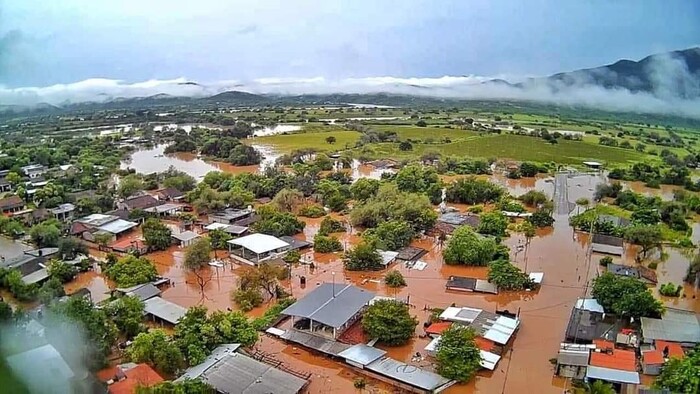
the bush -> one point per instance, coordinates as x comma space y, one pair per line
326, 244
131, 271
468, 248
507, 276
330, 225
312, 211
363, 257
476, 209
605, 261
390, 235
534, 198
248, 299
653, 265
359, 383
670, 290
394, 279
390, 322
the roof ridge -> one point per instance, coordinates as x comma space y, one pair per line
330, 299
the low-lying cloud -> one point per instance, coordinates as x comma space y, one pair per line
668, 87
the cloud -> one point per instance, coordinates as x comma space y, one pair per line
672, 88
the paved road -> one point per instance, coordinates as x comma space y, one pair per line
561, 194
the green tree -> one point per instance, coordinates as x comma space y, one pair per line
46, 234
13, 178
529, 169
390, 322
468, 248
390, 235
157, 349
330, 225
363, 257
493, 223
197, 257
131, 271
70, 247
541, 218
648, 237
533, 198
127, 313
60, 270
600, 387
330, 139
507, 276
472, 190
326, 244
681, 375
129, 185
182, 182
197, 334
457, 355
187, 386
6, 312
405, 146
364, 189
50, 290
219, 239
247, 299
288, 200
156, 234
625, 296
394, 279
279, 224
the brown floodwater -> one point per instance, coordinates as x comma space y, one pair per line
664, 191
559, 252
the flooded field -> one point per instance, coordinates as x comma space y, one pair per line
559, 252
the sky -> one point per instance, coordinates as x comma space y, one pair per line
44, 43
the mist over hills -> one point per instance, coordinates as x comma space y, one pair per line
666, 83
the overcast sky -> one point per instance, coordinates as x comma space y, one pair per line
49, 42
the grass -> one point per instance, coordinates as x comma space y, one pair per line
516, 147
421, 133
317, 140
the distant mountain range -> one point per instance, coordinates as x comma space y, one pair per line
670, 78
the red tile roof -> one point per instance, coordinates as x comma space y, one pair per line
484, 344
603, 344
652, 357
141, 375
624, 360
674, 349
438, 328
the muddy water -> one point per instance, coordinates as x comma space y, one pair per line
152, 160
673, 269
665, 191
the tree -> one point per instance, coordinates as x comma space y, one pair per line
127, 314
157, 349
392, 204
287, 200
131, 271
394, 279
472, 191
244, 155
156, 234
13, 178
101, 333
181, 182
363, 257
468, 248
648, 237
46, 234
681, 375
600, 387
129, 185
390, 235
326, 244
534, 198
197, 256
330, 225
493, 223
506, 276
625, 296
69, 248
186, 386
670, 290
102, 239
50, 290
405, 146
541, 218
390, 322
364, 189
60, 270
457, 355
528, 230
279, 224
197, 334
421, 123
219, 238
529, 169
6, 312
330, 139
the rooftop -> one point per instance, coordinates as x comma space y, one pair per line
409, 374
294, 244
63, 208
141, 202
612, 375
185, 236
140, 375
491, 326
362, 354
164, 310
589, 304
43, 368
330, 304
585, 325
674, 349
163, 208
675, 325
117, 226
259, 243
11, 201
97, 219
624, 360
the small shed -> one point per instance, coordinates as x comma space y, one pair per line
607, 244
296, 244
388, 256
185, 238
255, 248
462, 283
163, 310
572, 360
410, 253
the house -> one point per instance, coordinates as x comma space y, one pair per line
612, 365
456, 219
142, 202
329, 309
232, 216
461, 283
643, 274
5, 186
489, 360
30, 261
143, 292
64, 212
232, 229
185, 238
593, 165
11, 204
494, 327
374, 363
296, 244
65, 170
170, 194
388, 256
166, 209
45, 370
163, 311
654, 359
588, 322
130, 376
572, 360
34, 170
676, 325
229, 371
89, 226
607, 244
255, 248
410, 253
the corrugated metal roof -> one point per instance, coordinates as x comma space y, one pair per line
485, 286
387, 256
259, 243
43, 369
362, 354
608, 249
320, 305
573, 357
117, 226
185, 236
589, 304
675, 325
36, 276
164, 310
238, 373
489, 360
221, 351
408, 374
145, 292
612, 375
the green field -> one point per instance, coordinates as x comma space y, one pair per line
421, 133
317, 140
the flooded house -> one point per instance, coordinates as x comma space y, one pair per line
654, 358
162, 311
63, 212
232, 216
142, 202
232, 229
170, 194
607, 244
675, 325
5, 186
462, 283
34, 170
254, 249
185, 238
89, 226
646, 275
31, 264
588, 322
130, 376
11, 204
229, 370
572, 360
612, 365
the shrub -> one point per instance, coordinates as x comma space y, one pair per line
330, 225
247, 299
394, 279
326, 244
670, 290
653, 265
312, 211
476, 209
605, 261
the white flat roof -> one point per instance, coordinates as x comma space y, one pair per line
259, 243
215, 226
537, 277
589, 304
387, 256
186, 236
592, 163
489, 360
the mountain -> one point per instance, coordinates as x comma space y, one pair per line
672, 74
238, 97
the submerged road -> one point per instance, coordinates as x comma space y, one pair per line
561, 194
